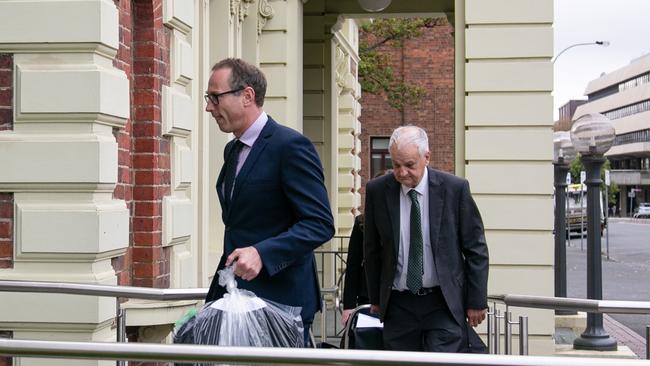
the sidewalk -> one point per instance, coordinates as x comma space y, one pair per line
625, 336
630, 220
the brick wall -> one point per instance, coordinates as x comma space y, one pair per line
124, 188
6, 199
151, 158
144, 158
427, 61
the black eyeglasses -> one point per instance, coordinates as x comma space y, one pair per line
214, 98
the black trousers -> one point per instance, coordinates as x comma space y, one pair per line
421, 323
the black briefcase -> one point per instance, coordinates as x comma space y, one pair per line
368, 338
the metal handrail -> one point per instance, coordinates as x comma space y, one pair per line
568, 303
574, 304
293, 356
103, 290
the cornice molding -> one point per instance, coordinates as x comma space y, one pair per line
265, 12
240, 8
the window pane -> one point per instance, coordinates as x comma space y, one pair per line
375, 164
380, 143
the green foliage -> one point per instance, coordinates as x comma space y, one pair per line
576, 167
375, 74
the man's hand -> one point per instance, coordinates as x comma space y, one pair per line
475, 316
248, 263
375, 309
345, 316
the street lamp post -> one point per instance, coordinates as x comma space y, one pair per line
592, 135
594, 43
563, 154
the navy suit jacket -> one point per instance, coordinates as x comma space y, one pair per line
457, 239
280, 206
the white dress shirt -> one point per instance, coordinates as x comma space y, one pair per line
248, 138
429, 278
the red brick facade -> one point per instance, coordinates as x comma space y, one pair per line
6, 199
427, 61
144, 158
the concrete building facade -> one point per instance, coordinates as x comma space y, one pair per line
623, 95
108, 160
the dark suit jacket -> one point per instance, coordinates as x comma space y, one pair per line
279, 206
457, 240
354, 288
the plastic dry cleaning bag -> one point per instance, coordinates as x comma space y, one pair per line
241, 318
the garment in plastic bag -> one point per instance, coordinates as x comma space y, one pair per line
241, 318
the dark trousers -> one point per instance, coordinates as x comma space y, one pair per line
306, 335
421, 323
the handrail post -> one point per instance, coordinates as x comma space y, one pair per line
523, 335
120, 327
323, 321
490, 330
647, 344
497, 331
508, 332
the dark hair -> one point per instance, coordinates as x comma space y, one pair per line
243, 74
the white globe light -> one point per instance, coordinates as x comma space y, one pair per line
592, 134
562, 146
374, 6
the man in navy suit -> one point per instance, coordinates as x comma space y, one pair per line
426, 258
271, 188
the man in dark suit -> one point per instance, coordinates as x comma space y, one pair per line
271, 188
426, 259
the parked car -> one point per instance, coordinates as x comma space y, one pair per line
643, 211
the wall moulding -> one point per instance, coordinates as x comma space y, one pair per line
183, 61
177, 113
62, 89
265, 12
60, 160
61, 47
178, 220
54, 122
58, 21
240, 8
76, 227
182, 167
179, 14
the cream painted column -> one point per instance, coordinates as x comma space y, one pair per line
280, 39
507, 145
61, 162
345, 125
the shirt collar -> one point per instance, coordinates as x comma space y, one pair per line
421, 187
253, 132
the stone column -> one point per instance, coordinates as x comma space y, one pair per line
61, 162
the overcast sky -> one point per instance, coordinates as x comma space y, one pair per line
624, 23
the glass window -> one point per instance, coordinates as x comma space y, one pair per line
379, 156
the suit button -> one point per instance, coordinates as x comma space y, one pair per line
227, 228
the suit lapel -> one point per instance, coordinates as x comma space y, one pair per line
392, 201
251, 159
436, 203
220, 179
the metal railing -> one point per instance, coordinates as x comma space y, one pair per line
494, 318
280, 356
557, 303
117, 292
331, 272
